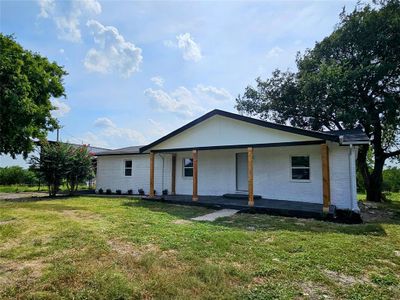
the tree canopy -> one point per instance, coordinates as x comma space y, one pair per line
350, 78
28, 81
58, 163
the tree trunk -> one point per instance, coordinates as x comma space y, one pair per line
374, 190
362, 165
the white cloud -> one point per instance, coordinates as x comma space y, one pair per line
180, 101
274, 52
158, 80
213, 93
190, 49
67, 15
107, 134
126, 134
104, 122
46, 8
90, 138
157, 129
113, 54
61, 108
188, 103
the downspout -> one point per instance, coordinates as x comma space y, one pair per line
353, 187
351, 175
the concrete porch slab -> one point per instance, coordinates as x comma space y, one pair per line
217, 214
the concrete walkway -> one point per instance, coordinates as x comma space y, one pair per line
217, 214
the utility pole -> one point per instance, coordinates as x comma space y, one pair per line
58, 134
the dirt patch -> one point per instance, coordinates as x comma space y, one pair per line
126, 248
11, 270
22, 195
311, 290
182, 222
370, 212
80, 215
123, 248
344, 279
7, 221
387, 262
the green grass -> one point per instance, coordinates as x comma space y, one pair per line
103, 248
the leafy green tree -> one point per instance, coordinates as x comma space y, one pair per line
27, 81
391, 179
350, 78
79, 167
51, 164
17, 175
59, 163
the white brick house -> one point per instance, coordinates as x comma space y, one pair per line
225, 153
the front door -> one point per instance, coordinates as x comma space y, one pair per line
241, 172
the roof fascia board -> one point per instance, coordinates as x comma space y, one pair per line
223, 147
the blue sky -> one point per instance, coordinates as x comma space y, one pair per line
138, 70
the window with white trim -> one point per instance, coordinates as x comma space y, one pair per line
300, 167
128, 168
187, 167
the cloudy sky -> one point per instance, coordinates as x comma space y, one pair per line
139, 69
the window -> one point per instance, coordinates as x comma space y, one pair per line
187, 167
300, 167
128, 168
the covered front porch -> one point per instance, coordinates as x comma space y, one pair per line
220, 166
260, 205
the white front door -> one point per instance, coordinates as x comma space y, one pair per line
241, 172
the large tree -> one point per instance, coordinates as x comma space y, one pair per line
58, 163
27, 82
350, 78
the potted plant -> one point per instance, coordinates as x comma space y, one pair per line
101, 191
130, 192
141, 192
165, 192
108, 191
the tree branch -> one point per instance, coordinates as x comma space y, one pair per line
392, 154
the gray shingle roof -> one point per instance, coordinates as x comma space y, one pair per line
121, 151
356, 135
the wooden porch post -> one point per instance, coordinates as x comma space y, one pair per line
250, 175
151, 192
195, 196
173, 175
326, 184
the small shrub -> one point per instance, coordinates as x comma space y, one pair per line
101, 191
130, 192
108, 192
165, 192
118, 192
141, 192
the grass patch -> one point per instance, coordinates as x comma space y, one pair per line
18, 188
119, 248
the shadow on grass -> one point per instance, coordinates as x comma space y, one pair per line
264, 222
179, 211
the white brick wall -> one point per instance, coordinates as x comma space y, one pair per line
110, 173
217, 173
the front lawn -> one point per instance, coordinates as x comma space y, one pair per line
108, 248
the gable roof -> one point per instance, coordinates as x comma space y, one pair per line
356, 136
304, 132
